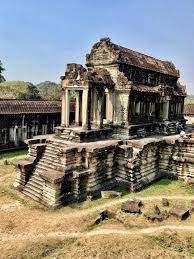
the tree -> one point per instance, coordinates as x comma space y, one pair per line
49, 91
18, 90
2, 79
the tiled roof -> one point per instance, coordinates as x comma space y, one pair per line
119, 54
189, 109
26, 107
140, 60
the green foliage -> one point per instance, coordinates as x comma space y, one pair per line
49, 91
12, 156
2, 79
18, 90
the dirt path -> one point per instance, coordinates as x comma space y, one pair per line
150, 230
98, 208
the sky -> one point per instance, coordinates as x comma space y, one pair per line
39, 37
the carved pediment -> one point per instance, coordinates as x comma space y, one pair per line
75, 74
102, 53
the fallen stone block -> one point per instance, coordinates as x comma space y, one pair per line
180, 213
105, 215
110, 194
165, 202
131, 206
156, 217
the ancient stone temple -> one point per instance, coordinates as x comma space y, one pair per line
127, 107
135, 94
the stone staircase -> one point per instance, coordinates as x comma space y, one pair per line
49, 160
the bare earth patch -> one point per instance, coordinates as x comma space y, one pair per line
29, 230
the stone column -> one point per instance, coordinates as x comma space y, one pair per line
95, 107
137, 108
101, 104
66, 107
165, 110
63, 109
109, 111
77, 109
86, 109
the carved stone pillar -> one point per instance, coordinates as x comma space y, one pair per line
109, 111
137, 108
77, 109
100, 109
165, 110
95, 107
86, 109
66, 107
63, 109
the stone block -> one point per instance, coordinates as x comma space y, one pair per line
131, 206
110, 194
180, 213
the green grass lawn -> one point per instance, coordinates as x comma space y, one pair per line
167, 187
13, 155
162, 187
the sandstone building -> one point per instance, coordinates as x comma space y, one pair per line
121, 98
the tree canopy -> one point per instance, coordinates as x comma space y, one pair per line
2, 79
18, 90
49, 91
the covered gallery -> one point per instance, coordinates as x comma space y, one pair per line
22, 119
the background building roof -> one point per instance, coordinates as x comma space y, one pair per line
26, 106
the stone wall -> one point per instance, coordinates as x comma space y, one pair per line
63, 172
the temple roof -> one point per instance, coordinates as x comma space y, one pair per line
26, 107
106, 51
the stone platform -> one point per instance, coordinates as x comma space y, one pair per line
78, 134
60, 171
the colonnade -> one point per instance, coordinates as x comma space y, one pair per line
89, 107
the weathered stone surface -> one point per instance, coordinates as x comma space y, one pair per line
105, 215
52, 176
110, 194
180, 213
131, 206
157, 215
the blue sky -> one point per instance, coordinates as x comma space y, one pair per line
38, 37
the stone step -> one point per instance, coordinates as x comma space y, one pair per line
35, 186
34, 191
47, 158
50, 155
46, 167
38, 179
49, 163
30, 194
